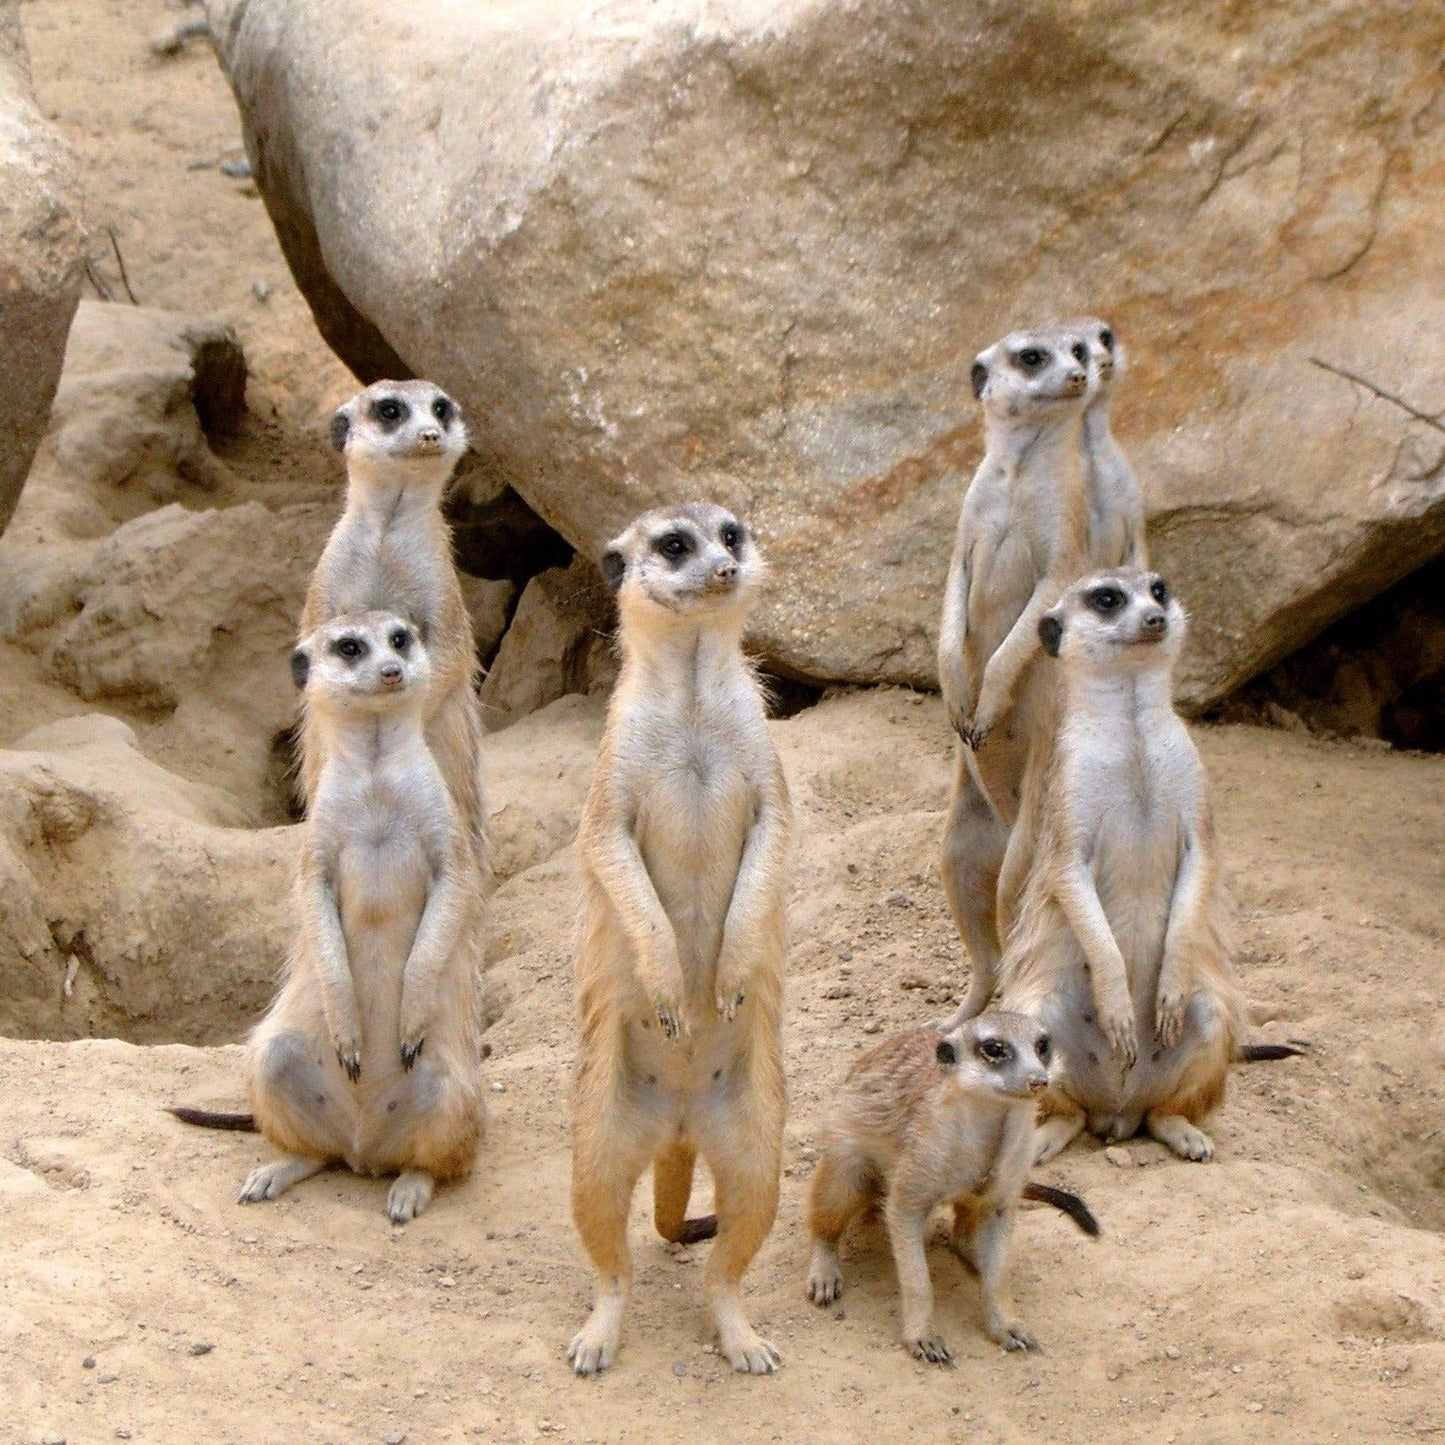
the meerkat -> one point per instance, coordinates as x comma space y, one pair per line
1118, 946
682, 850
1022, 538
1116, 508
926, 1119
369, 1055
392, 551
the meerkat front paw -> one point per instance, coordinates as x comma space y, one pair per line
929, 1345
348, 1055
411, 1051
1169, 1016
671, 1018
1118, 1026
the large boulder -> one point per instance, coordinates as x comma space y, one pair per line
42, 260
748, 252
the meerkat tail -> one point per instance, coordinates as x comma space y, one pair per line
694, 1231
1063, 1200
210, 1119
1264, 1053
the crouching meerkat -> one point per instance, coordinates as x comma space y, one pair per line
682, 850
1118, 947
392, 550
925, 1119
1116, 508
1022, 538
369, 1055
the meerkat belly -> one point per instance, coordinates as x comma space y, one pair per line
1135, 880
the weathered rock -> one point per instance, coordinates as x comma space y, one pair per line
560, 641
489, 604
133, 904
42, 260
141, 392
748, 252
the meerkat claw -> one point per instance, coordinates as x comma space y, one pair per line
410, 1052
349, 1057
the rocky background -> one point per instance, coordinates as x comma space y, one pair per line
746, 251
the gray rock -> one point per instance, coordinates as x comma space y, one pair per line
748, 252
42, 260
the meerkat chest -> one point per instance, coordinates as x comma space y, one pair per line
382, 862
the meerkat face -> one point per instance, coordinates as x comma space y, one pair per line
370, 661
691, 560
1004, 1054
1112, 620
409, 423
1032, 371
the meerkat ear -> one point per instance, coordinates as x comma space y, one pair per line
340, 428
1051, 633
300, 667
614, 567
947, 1053
979, 377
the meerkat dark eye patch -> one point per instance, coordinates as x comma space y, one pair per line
442, 410
300, 667
674, 546
1044, 1048
1159, 591
1051, 634
978, 377
994, 1051
340, 430
1031, 358
1080, 353
1105, 600
401, 639
946, 1054
389, 412
732, 537
1106, 340
351, 648
614, 568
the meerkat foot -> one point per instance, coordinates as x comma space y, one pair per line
746, 1350
929, 1345
1012, 1336
274, 1179
1055, 1135
410, 1193
594, 1346
1181, 1136
825, 1274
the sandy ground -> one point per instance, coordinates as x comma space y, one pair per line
1294, 1289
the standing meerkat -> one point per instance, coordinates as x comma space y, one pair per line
926, 1119
682, 849
1022, 538
1116, 508
392, 551
369, 1055
1118, 947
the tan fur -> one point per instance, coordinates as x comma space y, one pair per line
1022, 538
369, 1055
1119, 945
392, 550
926, 1119
679, 967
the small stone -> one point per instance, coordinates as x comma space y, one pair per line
199, 163
393, 1437
259, 289
679, 1369
846, 955
447, 1282
88, 1363
898, 899
51, 1438
1113, 1372
106, 1379
1171, 1352
121, 1433
1119, 1156
498, 1087
237, 170
200, 1347
1254, 1407
873, 1027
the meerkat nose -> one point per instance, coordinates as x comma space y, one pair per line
391, 673
1038, 1083
1154, 621
429, 436
725, 571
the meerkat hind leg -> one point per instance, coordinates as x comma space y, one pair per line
989, 1251
907, 1225
838, 1195
1065, 1122
973, 854
272, 1180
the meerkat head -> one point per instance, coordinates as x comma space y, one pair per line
1007, 1055
695, 561
1030, 372
408, 426
371, 662
1125, 618
1106, 361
